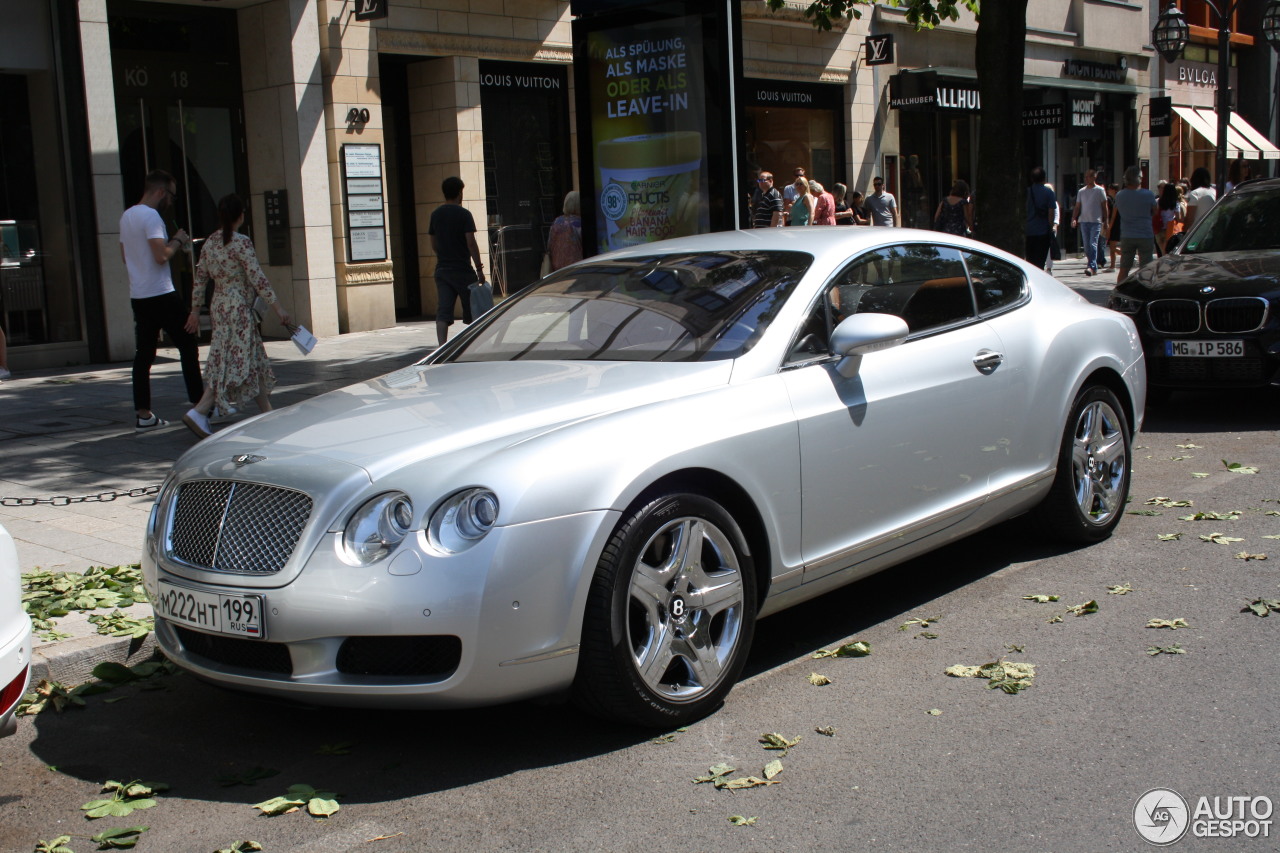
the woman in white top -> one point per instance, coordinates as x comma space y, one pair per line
1201, 198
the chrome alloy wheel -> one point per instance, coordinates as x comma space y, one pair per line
685, 608
1098, 462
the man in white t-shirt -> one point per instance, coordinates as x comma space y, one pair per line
1088, 215
146, 247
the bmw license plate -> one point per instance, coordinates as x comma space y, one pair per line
1202, 349
238, 615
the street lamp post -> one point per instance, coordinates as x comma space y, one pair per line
1171, 35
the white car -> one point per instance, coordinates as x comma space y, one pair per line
15, 636
606, 480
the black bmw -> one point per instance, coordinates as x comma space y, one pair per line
1207, 311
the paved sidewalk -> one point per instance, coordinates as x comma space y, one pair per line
70, 432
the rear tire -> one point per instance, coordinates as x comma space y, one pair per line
670, 615
1089, 491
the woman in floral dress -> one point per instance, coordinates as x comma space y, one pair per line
236, 367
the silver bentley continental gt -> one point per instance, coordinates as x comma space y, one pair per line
601, 485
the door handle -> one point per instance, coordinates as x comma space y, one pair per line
987, 360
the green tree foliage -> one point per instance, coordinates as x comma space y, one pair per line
1000, 187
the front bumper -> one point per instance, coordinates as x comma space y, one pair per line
498, 622
1259, 367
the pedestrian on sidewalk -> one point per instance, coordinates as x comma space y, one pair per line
1202, 197
955, 212
146, 247
766, 203
803, 207
1088, 215
1041, 204
789, 195
1134, 208
1172, 213
236, 366
453, 238
882, 206
824, 205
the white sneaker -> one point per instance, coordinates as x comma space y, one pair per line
150, 424
197, 423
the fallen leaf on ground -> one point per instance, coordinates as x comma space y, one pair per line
773, 768
715, 772
1120, 589
1262, 606
1219, 538
1162, 500
829, 731
739, 820
1169, 537
1041, 599
1009, 676
848, 650
922, 622
1085, 609
1239, 468
1188, 447
773, 740
818, 680
1172, 624
1229, 515
934, 712
1175, 649
745, 782
1245, 555
1198, 475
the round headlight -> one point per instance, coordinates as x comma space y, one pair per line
463, 519
376, 528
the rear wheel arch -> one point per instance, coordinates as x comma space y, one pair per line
1107, 377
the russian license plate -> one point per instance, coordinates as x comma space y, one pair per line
1202, 349
240, 615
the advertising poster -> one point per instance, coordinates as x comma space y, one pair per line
648, 132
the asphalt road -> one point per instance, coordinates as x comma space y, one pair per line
1056, 767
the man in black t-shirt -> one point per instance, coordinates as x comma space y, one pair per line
453, 239
766, 204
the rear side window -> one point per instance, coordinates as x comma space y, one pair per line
996, 284
923, 284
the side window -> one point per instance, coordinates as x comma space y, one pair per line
996, 284
923, 284
813, 340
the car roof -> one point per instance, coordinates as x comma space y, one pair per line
1257, 185
817, 241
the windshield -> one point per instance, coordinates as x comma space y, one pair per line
1242, 222
680, 307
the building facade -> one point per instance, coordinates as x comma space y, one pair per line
338, 127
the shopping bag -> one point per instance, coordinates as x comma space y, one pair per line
481, 298
302, 339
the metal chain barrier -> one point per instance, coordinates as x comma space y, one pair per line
66, 500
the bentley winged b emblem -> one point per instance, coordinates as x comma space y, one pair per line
246, 459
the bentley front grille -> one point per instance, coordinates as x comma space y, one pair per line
242, 528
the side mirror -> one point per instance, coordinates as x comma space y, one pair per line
863, 333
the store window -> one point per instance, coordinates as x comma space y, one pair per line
39, 299
790, 125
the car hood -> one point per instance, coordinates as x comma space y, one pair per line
426, 410
1186, 276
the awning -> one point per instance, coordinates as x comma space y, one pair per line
1242, 139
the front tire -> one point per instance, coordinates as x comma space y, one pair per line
670, 615
1092, 483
